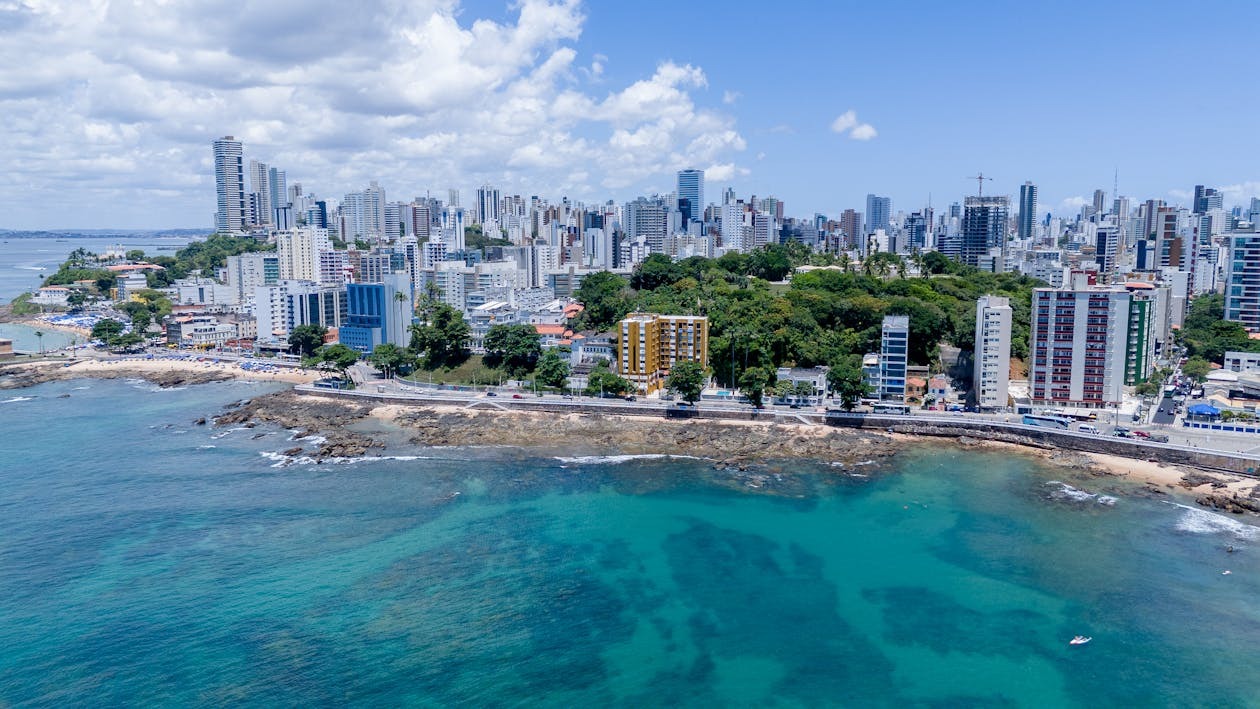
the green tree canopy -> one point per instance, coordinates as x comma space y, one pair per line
106, 330
441, 337
844, 379
514, 348
553, 369
305, 339
605, 300
391, 359
752, 384
602, 380
686, 379
1197, 369
336, 358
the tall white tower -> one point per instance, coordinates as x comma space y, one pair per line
229, 184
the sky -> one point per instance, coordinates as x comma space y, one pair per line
110, 107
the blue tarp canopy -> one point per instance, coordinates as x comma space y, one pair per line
1203, 410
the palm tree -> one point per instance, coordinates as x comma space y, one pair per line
846, 263
39, 334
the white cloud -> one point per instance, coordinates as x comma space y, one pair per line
865, 131
729, 97
1072, 205
1241, 194
847, 122
111, 107
844, 122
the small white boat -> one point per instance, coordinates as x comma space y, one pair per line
1079, 640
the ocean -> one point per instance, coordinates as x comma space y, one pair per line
146, 560
24, 263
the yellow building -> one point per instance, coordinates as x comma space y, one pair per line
649, 344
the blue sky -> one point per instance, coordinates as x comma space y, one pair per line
1062, 95
111, 111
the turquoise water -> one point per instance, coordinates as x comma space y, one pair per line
146, 560
24, 339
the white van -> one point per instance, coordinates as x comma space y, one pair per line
1088, 428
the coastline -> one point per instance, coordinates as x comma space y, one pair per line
163, 372
738, 445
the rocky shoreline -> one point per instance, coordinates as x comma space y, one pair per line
19, 375
743, 448
728, 446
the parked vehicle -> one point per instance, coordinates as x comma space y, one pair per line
518, 396
1088, 428
1141, 434
1158, 438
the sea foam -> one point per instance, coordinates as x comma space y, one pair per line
1198, 521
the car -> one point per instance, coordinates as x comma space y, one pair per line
632, 398
568, 396
795, 406
517, 396
954, 407
490, 393
1141, 434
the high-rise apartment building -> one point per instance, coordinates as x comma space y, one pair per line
1080, 344
646, 220
984, 225
260, 188
1027, 227
878, 212
1100, 203
648, 345
851, 227
691, 188
1242, 280
229, 184
245, 272
298, 253
992, 365
894, 358
488, 205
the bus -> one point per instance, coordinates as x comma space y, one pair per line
1059, 422
901, 409
1077, 414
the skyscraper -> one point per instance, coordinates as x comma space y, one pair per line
488, 204
691, 188
851, 226
260, 187
229, 183
1206, 199
878, 210
1100, 203
984, 228
1027, 210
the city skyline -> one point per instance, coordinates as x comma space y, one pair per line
557, 99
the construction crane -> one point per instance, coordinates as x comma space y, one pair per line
980, 178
